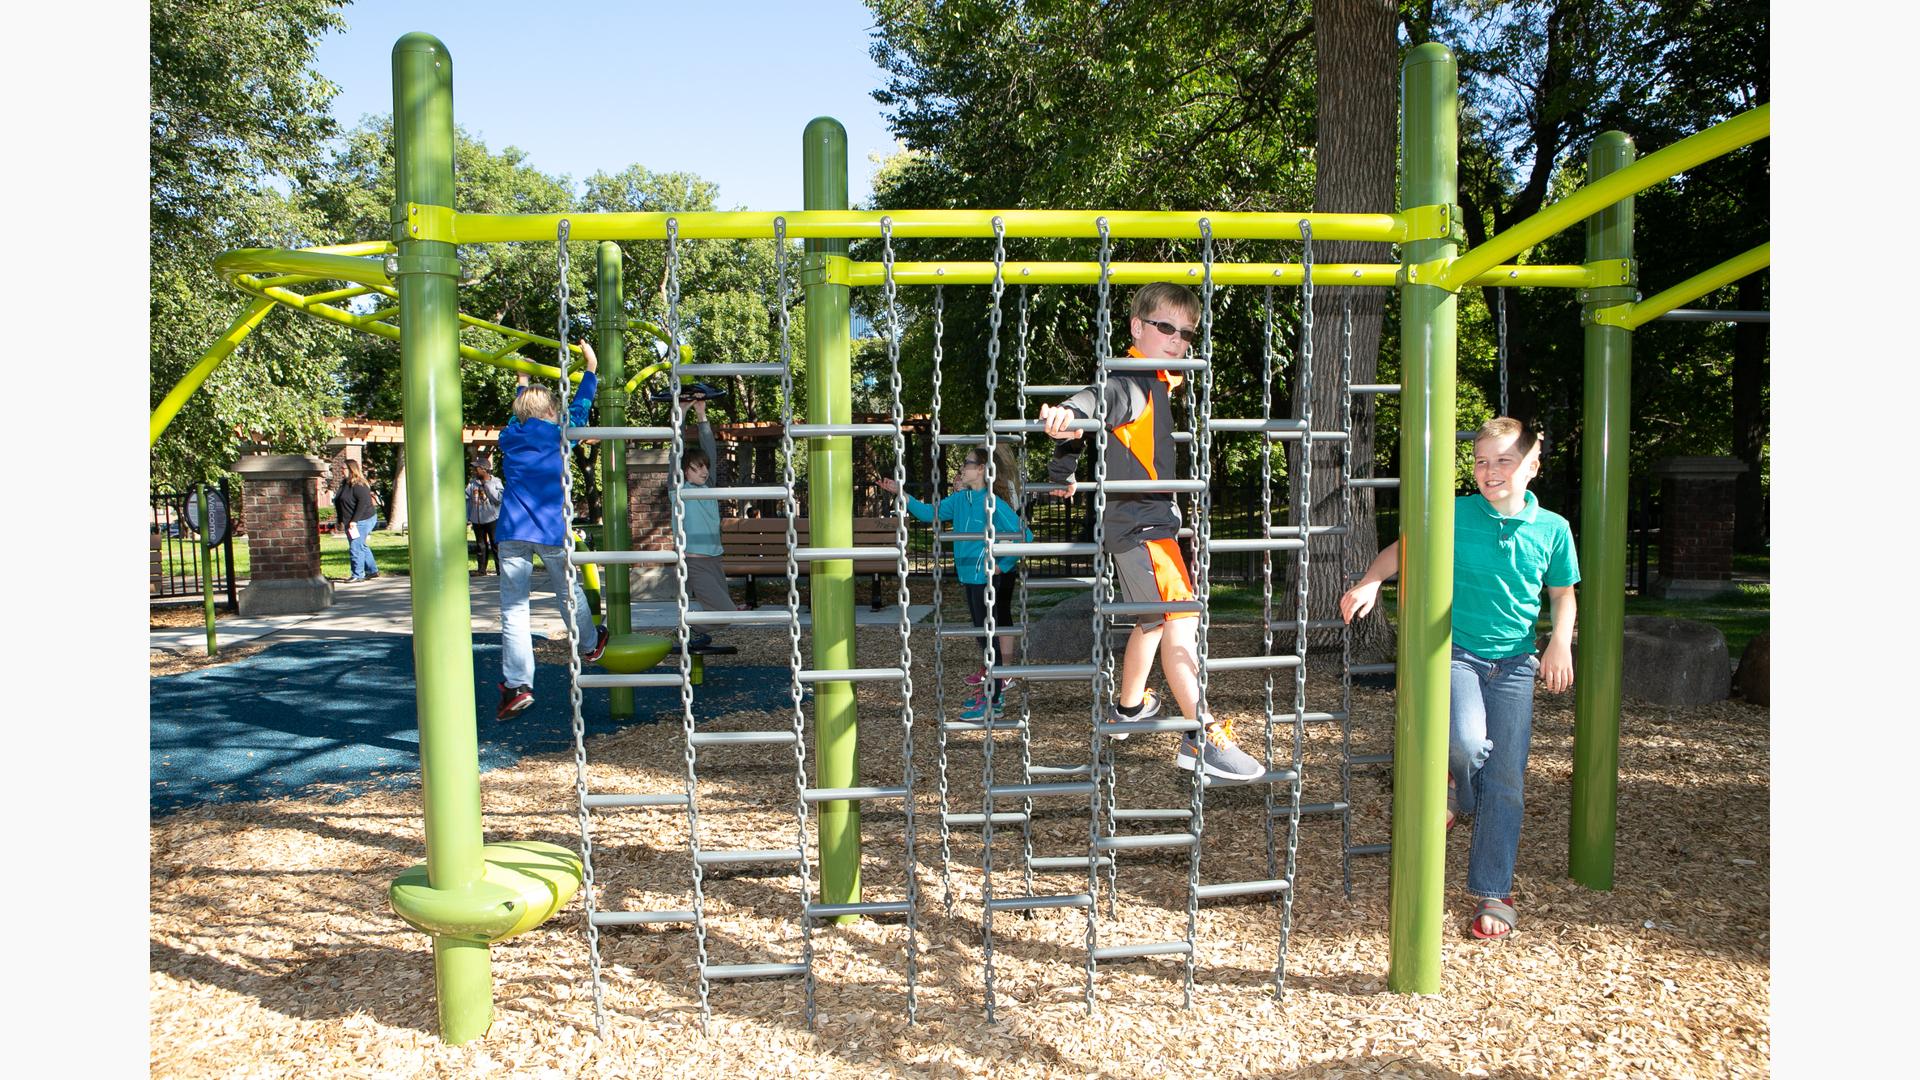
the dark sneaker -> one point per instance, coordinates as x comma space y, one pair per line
599, 646
1223, 761
514, 699
699, 640
1149, 708
974, 709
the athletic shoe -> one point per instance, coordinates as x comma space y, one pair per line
514, 699
975, 709
1149, 708
599, 645
1222, 760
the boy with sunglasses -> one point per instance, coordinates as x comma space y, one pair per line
1142, 530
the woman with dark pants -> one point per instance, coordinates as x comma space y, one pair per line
483, 512
354, 506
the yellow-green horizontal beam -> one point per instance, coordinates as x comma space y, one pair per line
1748, 127
840, 271
1633, 316
865, 224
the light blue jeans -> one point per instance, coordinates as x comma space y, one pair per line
360, 564
1491, 710
516, 587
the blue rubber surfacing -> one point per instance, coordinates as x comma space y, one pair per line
341, 712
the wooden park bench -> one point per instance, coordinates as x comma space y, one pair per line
757, 548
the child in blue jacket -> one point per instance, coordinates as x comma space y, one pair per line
533, 520
966, 508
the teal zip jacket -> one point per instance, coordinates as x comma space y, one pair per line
967, 510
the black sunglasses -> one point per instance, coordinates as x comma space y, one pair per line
1167, 328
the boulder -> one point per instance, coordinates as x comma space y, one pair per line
1754, 677
1673, 662
1063, 633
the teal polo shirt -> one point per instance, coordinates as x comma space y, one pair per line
1499, 566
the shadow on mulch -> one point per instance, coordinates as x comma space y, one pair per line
307, 713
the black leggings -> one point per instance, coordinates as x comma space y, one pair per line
483, 539
1002, 606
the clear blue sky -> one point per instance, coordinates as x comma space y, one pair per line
721, 88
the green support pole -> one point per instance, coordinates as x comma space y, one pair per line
1428, 162
1603, 538
206, 570
436, 521
830, 511
616, 534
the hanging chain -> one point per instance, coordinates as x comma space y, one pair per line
1302, 486
784, 320
990, 646
1266, 560
1346, 628
1102, 352
1020, 588
1202, 414
1501, 295
677, 476
898, 415
939, 601
573, 664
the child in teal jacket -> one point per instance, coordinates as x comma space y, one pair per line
966, 509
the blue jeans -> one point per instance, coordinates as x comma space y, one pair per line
359, 556
1491, 710
516, 586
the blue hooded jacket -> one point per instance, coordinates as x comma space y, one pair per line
532, 502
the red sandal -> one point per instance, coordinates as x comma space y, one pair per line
1498, 910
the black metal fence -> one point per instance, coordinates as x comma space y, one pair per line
174, 547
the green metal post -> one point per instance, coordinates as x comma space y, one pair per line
830, 511
1603, 538
1428, 162
206, 570
436, 520
616, 532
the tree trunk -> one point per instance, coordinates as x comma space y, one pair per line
1357, 62
1750, 419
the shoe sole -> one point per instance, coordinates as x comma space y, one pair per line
1184, 762
514, 710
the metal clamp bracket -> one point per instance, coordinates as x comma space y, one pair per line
820, 269
1440, 221
425, 221
1611, 272
399, 265
1425, 273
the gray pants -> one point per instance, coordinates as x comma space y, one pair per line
707, 583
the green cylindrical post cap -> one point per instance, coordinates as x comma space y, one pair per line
1431, 52
824, 164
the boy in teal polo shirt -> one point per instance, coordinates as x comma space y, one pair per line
1505, 548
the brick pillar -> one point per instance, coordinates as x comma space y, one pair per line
281, 508
1696, 525
649, 518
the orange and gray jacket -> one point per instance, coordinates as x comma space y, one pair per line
1139, 447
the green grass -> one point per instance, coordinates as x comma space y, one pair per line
389, 554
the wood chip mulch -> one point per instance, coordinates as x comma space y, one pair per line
274, 952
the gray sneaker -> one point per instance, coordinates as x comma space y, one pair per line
1149, 708
1223, 761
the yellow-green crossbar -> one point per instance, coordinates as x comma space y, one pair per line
840, 271
1633, 316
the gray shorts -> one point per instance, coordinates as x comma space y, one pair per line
1153, 572
707, 583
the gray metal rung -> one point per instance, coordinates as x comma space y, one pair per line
1310, 717
975, 440
1147, 607
1028, 549
1312, 530
1067, 862
1386, 668
981, 631
981, 725
1292, 626
719, 369
1255, 544
1060, 583
1255, 423
1369, 849
822, 554
1251, 663
863, 674
1000, 817
600, 681
1312, 809
835, 794
645, 434
765, 617
751, 971
1374, 388
878, 907
1040, 672
1276, 776
1132, 363
632, 802
741, 738
710, 494
1148, 487
1370, 759
1150, 840
747, 855
1059, 770
1136, 952
1129, 727
640, 918
1052, 389
1318, 436
1032, 791
1241, 888
827, 431
1034, 903
1374, 482
1140, 814
622, 558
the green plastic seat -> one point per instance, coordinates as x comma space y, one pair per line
631, 654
